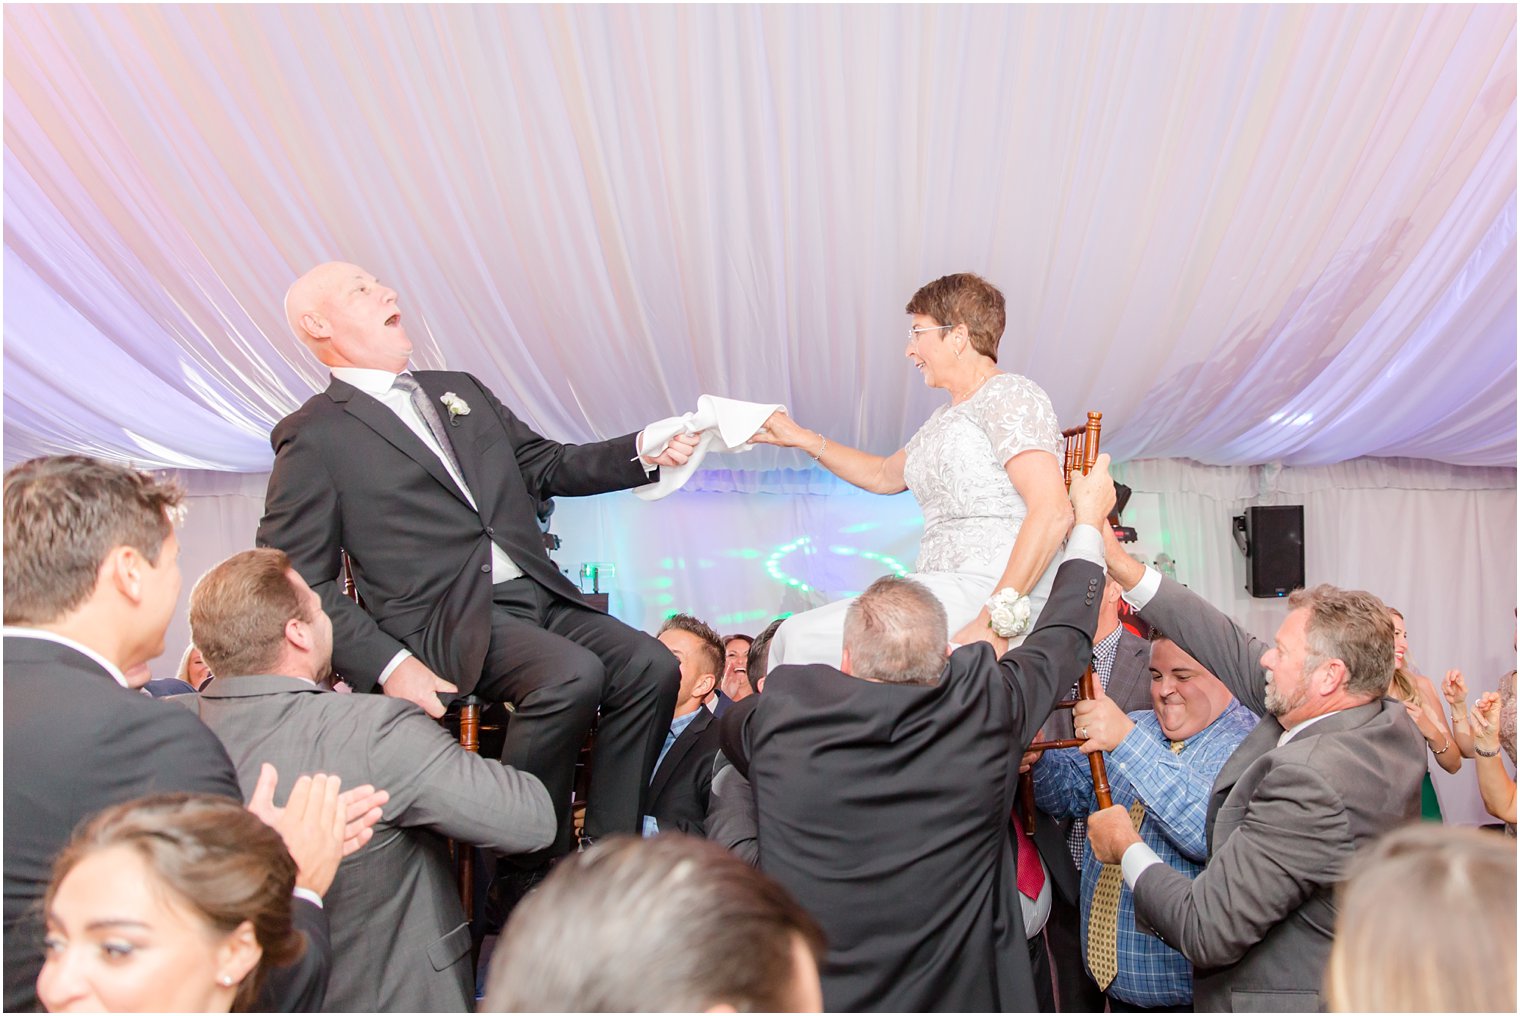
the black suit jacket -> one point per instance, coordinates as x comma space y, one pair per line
76, 742
682, 786
349, 475
885, 809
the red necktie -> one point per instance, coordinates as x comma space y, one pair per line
1031, 877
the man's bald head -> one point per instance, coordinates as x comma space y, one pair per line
347, 319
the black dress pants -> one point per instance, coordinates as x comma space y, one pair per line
557, 661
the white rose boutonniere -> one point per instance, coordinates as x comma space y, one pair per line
456, 406
1009, 613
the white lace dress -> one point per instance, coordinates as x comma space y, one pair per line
972, 513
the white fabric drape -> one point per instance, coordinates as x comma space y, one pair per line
1247, 234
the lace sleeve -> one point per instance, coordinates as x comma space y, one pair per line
1017, 417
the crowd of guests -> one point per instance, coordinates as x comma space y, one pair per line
887, 803
847, 837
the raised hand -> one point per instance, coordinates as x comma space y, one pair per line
1122, 568
311, 823
361, 810
1099, 722
1485, 721
1454, 688
1092, 495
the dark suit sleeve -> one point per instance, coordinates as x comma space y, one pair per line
731, 817
302, 986
550, 469
301, 517
1058, 650
733, 736
1293, 839
1226, 649
182, 753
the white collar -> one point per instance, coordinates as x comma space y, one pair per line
1293, 731
366, 379
18, 632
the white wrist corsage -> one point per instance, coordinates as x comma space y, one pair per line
1009, 613
456, 406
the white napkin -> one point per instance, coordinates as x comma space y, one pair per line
726, 425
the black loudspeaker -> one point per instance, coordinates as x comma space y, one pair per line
1274, 546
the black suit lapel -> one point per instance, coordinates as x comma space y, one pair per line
389, 426
684, 743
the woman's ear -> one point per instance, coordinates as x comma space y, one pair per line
238, 955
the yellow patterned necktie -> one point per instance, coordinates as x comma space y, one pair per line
1103, 918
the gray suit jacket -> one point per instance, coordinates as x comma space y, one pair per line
400, 942
1284, 824
1129, 684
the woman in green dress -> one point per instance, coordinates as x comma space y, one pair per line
1419, 696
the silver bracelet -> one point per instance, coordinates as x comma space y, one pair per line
821, 449
1485, 754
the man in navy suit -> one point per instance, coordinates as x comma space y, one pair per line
431, 486
681, 787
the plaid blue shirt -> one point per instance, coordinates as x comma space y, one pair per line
1175, 789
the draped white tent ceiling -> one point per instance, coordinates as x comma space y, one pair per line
1247, 234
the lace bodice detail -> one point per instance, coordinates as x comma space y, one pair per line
955, 469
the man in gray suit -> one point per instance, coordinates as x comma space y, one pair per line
399, 936
1331, 767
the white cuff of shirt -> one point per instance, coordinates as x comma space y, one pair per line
1146, 588
390, 668
1084, 544
1137, 857
638, 447
302, 893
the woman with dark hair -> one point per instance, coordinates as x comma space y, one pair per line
985, 468
171, 903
